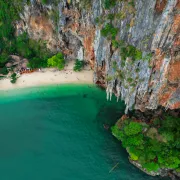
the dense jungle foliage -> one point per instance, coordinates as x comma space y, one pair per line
35, 51
155, 145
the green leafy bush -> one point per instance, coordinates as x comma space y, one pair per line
177, 170
150, 155
78, 66
109, 78
97, 20
135, 141
114, 65
151, 166
44, 1
130, 80
109, 30
4, 71
109, 4
3, 59
111, 16
132, 128
86, 4
148, 57
133, 157
132, 3
115, 43
23, 46
134, 153
117, 133
57, 61
130, 51
138, 54
13, 78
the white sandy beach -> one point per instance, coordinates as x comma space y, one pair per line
49, 76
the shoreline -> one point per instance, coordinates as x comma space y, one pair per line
49, 76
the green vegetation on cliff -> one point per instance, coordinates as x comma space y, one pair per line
154, 146
33, 50
8, 14
109, 30
109, 3
130, 51
21, 45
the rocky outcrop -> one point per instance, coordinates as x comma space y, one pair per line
17, 62
142, 135
152, 27
162, 172
35, 21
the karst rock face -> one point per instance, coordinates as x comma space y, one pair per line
74, 27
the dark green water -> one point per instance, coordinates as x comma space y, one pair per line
56, 133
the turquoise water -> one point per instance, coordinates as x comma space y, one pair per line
57, 133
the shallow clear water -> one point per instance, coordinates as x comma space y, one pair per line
56, 133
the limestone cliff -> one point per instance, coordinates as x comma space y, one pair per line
104, 33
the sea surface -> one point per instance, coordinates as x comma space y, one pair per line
57, 133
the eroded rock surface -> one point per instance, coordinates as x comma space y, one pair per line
151, 26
